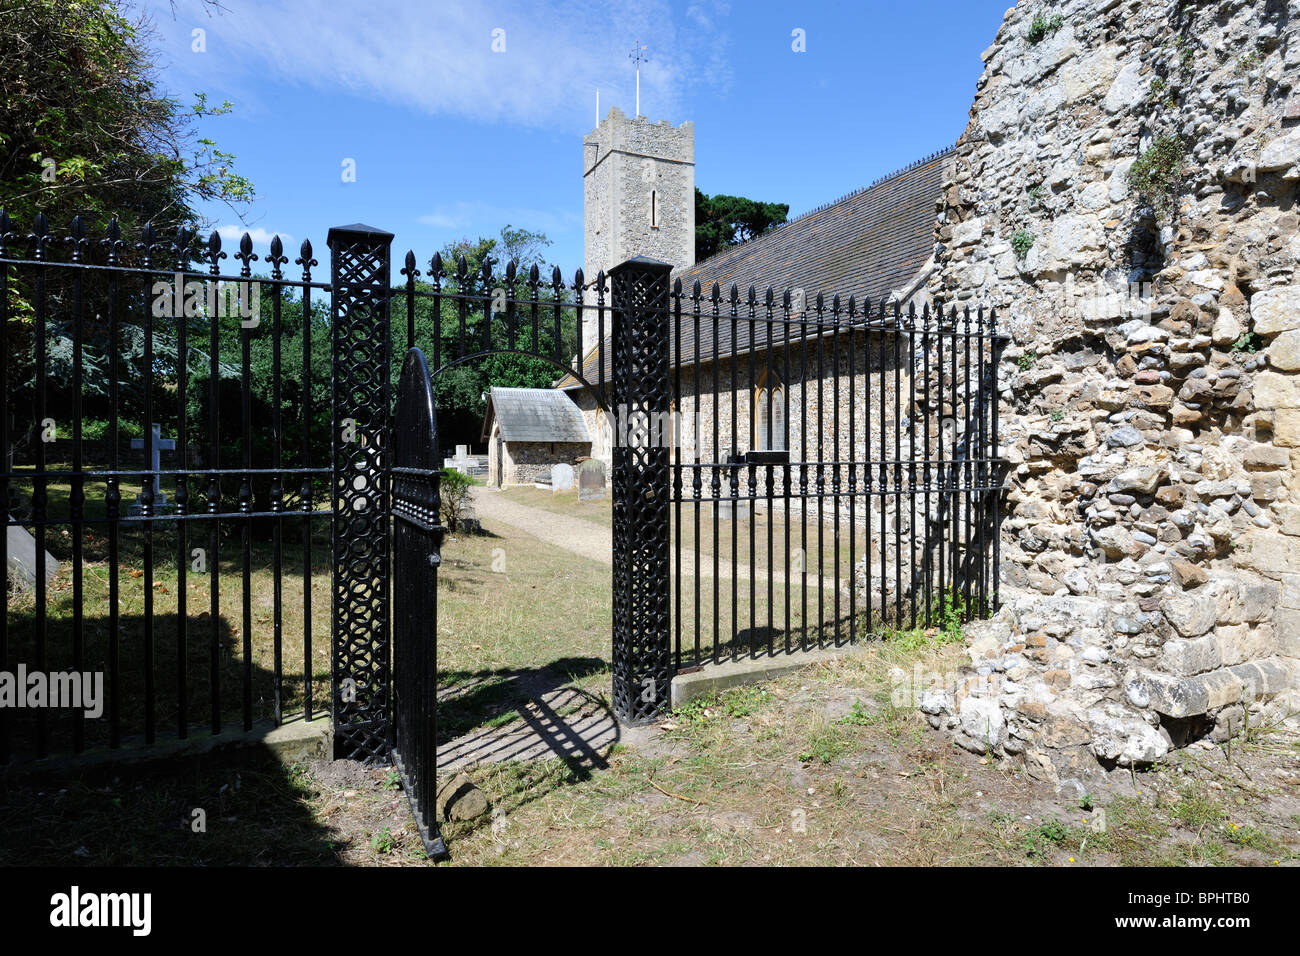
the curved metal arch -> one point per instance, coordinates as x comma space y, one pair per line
465, 359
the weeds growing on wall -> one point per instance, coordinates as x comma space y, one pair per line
1157, 174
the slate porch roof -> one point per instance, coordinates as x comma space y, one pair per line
871, 244
534, 414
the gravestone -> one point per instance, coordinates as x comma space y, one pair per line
561, 477
591, 480
737, 508
157, 445
466, 463
22, 558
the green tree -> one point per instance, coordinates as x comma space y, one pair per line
722, 221
86, 130
523, 246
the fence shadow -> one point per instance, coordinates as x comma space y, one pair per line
524, 722
233, 808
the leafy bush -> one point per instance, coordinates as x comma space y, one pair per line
454, 493
1043, 26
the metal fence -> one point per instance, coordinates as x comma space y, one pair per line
824, 470
835, 470
121, 337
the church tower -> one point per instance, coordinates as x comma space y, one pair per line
638, 183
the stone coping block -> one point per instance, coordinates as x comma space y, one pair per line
1187, 696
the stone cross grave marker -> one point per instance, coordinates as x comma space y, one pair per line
591, 480
157, 445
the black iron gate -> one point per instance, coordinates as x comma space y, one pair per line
417, 544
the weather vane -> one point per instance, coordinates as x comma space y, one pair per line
638, 56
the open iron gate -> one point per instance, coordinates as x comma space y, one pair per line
417, 543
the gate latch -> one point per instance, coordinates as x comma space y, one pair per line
759, 458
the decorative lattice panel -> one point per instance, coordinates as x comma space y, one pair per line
641, 397
359, 260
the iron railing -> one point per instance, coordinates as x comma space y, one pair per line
835, 470
118, 337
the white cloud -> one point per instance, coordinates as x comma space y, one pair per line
439, 59
260, 236
486, 218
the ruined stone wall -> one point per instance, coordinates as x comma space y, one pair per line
1125, 196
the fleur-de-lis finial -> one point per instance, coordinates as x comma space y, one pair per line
39, 235
215, 255
245, 254
408, 268
148, 240
112, 241
77, 238
305, 260
182, 249
277, 257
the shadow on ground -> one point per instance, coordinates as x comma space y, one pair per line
254, 812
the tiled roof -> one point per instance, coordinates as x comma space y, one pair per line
534, 414
870, 244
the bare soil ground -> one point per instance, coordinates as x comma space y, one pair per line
818, 768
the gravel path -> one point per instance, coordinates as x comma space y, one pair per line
592, 540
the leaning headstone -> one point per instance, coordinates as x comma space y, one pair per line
22, 558
561, 477
591, 480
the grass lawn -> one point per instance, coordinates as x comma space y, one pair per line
816, 768
748, 621
148, 636
508, 604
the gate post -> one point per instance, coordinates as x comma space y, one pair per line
359, 291
640, 394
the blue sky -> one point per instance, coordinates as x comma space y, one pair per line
451, 139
